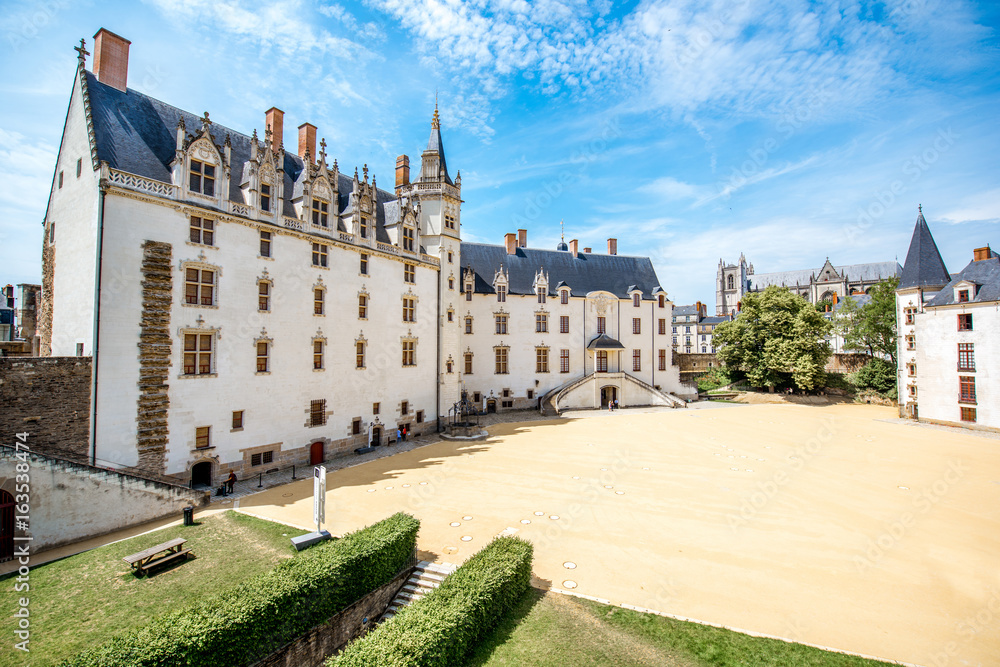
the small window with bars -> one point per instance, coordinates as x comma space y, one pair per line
662, 324
564, 296
317, 412
468, 325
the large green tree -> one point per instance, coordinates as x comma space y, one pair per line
777, 339
871, 327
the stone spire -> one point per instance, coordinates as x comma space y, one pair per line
923, 266
435, 145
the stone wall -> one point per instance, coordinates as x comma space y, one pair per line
693, 364
314, 647
49, 398
154, 357
45, 299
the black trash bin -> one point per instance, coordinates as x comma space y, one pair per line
189, 516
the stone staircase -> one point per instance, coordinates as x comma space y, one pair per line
426, 577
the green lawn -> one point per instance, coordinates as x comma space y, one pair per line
556, 630
85, 599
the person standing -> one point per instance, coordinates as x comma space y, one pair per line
230, 482
404, 433
399, 434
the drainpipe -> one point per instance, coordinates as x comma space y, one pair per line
101, 193
652, 341
440, 342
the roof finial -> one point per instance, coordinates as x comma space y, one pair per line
920, 209
205, 122
562, 231
436, 121
81, 52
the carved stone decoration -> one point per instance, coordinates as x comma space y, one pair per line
601, 303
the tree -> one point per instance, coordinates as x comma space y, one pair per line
871, 326
777, 339
878, 375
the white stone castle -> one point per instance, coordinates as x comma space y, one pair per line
247, 307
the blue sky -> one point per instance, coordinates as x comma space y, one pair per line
692, 131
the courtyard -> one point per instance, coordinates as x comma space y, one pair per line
836, 525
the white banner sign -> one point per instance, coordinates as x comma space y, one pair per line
319, 496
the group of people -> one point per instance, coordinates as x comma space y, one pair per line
612, 404
401, 434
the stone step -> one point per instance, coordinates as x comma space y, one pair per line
425, 578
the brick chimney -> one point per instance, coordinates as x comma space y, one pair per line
510, 241
274, 118
307, 140
979, 254
522, 238
836, 298
573, 247
697, 306
402, 170
612, 246
111, 59
587, 250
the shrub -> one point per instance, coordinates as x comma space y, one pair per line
265, 612
442, 628
838, 381
712, 379
878, 375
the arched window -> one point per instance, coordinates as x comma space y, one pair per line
730, 283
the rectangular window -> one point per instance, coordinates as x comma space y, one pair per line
911, 342
356, 427
541, 323
237, 420
451, 283
409, 310
663, 360
540, 292
79, 349
911, 314
911, 369
202, 178
265, 244
404, 408
265, 197
662, 327
966, 357
564, 324
319, 253
409, 273
636, 360
317, 355
968, 414
506, 393
912, 390
202, 230
451, 316
501, 322
965, 322
199, 287
320, 213
501, 293
963, 296
541, 360
362, 306
262, 357
449, 222
420, 416
376, 407
477, 397
601, 326
564, 296
60, 180
564, 361
317, 412
203, 437
263, 296
468, 325
319, 301
364, 227
636, 325
468, 291
408, 235
364, 264
966, 389
501, 361
468, 363
602, 361
409, 353
635, 300
661, 301
359, 356
198, 354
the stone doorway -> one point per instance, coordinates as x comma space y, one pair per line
201, 474
491, 406
6, 526
608, 393
376, 436
316, 454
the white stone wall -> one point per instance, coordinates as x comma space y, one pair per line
73, 209
904, 357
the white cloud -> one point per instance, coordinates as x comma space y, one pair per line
981, 207
669, 188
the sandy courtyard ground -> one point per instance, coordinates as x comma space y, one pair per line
827, 525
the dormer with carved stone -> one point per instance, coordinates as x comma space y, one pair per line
316, 191
200, 167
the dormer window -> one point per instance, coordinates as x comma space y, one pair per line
963, 296
540, 292
202, 178
321, 213
408, 234
564, 296
265, 198
635, 300
661, 301
363, 230
501, 293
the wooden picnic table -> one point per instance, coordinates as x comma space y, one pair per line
161, 553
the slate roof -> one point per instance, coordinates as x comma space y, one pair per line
985, 273
686, 310
715, 319
583, 273
435, 144
137, 134
923, 265
870, 272
605, 342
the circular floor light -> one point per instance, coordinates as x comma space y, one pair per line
569, 565
569, 583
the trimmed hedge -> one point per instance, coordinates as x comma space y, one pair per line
443, 627
265, 612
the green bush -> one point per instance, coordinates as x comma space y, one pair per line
265, 612
441, 629
878, 375
712, 379
838, 381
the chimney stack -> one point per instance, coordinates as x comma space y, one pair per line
274, 118
522, 238
510, 241
573, 247
307, 140
111, 59
697, 306
586, 250
402, 170
612, 246
979, 254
